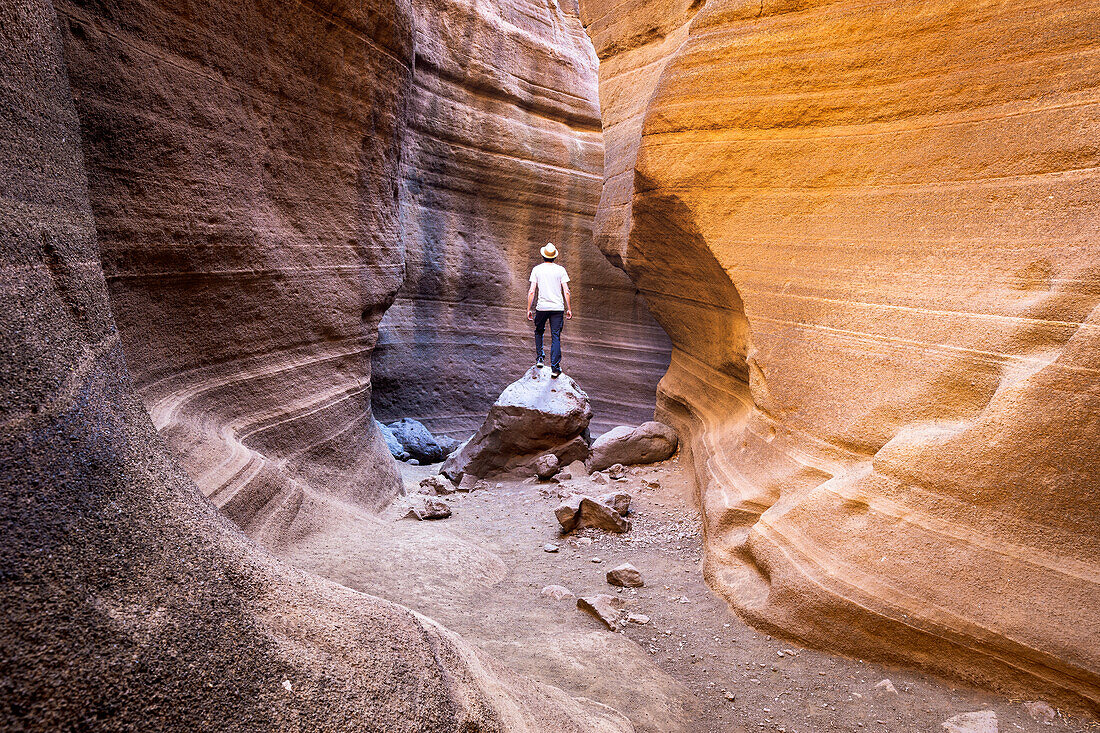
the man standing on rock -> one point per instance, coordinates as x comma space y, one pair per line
552, 283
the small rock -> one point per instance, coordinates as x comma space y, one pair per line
549, 548
584, 541
557, 592
468, 482
568, 511
729, 696
287, 686
637, 618
563, 476
982, 721
1041, 712
619, 501
626, 576
888, 686
600, 478
617, 471
436, 486
482, 486
413, 462
546, 466
426, 507
594, 513
606, 608
597, 560
651, 484
576, 469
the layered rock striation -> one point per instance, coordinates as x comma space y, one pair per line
503, 154
870, 231
130, 603
243, 167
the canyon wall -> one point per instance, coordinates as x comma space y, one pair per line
130, 603
504, 154
872, 232
243, 165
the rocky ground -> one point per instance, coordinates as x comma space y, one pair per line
693, 667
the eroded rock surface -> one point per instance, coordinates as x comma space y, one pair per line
504, 153
535, 415
647, 443
130, 603
870, 232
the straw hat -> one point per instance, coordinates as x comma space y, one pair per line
549, 251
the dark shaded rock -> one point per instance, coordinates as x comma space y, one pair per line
392, 443
535, 415
626, 576
546, 466
448, 444
649, 442
417, 440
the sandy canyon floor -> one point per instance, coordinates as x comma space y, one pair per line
694, 667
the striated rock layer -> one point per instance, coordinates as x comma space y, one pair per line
503, 154
243, 164
130, 603
871, 232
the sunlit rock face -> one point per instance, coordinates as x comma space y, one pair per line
243, 169
504, 154
130, 603
871, 234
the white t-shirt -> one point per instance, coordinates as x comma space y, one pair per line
549, 277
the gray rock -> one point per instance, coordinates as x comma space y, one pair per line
448, 444
982, 721
606, 608
392, 443
618, 500
548, 547
649, 442
413, 462
533, 416
546, 466
426, 507
436, 486
625, 576
417, 440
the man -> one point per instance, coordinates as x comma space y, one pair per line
552, 283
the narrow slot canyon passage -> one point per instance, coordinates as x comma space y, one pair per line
274, 456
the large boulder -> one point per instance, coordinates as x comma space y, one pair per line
392, 443
649, 442
535, 415
417, 440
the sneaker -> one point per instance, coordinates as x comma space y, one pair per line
556, 373
539, 364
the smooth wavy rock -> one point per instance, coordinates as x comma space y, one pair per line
503, 154
243, 164
130, 603
870, 231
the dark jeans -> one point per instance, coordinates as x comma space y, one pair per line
557, 319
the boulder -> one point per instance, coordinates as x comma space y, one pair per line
982, 721
534, 415
546, 466
584, 511
567, 512
448, 444
417, 440
625, 576
577, 469
426, 507
606, 608
436, 486
618, 500
649, 442
392, 443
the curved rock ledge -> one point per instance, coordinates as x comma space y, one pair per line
869, 230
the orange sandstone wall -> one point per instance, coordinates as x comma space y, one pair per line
872, 232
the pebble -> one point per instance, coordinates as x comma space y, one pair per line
596, 560
549, 548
